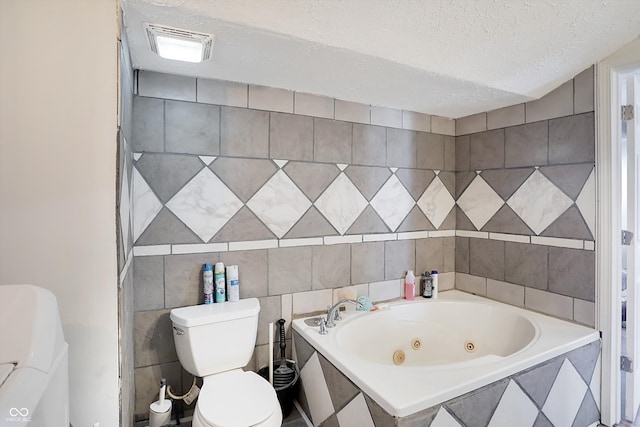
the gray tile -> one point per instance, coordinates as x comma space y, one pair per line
542, 421
462, 152
429, 255
252, 271
270, 311
331, 266
303, 350
506, 221
588, 414
368, 222
381, 418
583, 97
332, 141
147, 381
289, 270
449, 254
572, 273
312, 178
368, 180
291, 137
243, 176
401, 148
449, 153
537, 381
419, 419
169, 86
166, 174
430, 151
311, 224
221, 92
367, 262
462, 221
244, 133
341, 389
486, 150
572, 139
506, 181
148, 124
486, 258
449, 222
369, 145
415, 221
332, 421
192, 128
570, 225
415, 180
183, 278
243, 226
399, 256
504, 117
463, 179
569, 178
153, 338
148, 276
167, 228
584, 359
557, 103
471, 124
449, 181
526, 145
475, 409
526, 264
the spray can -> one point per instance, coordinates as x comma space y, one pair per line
233, 286
207, 282
219, 282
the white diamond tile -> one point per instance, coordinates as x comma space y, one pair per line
444, 419
393, 170
342, 166
207, 160
125, 207
480, 202
316, 390
393, 202
594, 384
356, 413
146, 206
538, 202
279, 203
136, 156
341, 203
281, 163
205, 204
514, 409
565, 397
436, 202
586, 202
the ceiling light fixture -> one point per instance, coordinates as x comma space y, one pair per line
177, 44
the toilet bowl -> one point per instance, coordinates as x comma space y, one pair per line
215, 341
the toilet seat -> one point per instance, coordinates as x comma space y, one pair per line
237, 398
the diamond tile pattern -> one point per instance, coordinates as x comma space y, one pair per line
341, 203
279, 204
586, 202
436, 202
480, 202
205, 204
393, 202
550, 202
146, 207
444, 419
515, 408
565, 397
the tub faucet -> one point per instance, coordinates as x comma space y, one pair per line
333, 313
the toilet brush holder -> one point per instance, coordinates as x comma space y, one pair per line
160, 413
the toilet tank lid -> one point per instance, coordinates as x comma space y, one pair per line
213, 313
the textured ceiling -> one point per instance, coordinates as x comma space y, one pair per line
446, 57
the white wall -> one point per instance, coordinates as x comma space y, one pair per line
58, 86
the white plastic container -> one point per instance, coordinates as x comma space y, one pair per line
434, 278
410, 286
233, 285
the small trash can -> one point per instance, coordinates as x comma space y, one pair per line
288, 392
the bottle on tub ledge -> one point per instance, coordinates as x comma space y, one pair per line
426, 285
409, 286
233, 285
434, 284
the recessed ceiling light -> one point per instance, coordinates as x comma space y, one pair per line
177, 44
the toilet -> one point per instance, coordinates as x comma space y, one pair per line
215, 341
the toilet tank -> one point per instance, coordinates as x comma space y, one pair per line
213, 338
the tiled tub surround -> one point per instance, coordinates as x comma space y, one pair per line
305, 206
553, 382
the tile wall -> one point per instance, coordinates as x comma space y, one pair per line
307, 195
525, 190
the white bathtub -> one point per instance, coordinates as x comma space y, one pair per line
464, 342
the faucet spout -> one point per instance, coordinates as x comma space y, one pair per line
333, 313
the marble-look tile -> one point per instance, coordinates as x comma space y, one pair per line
586, 202
316, 390
352, 112
271, 99
480, 202
444, 419
291, 203
243, 226
205, 204
125, 210
312, 178
369, 222
393, 202
594, 384
565, 397
168, 173
356, 413
416, 121
146, 205
538, 202
341, 203
436, 202
311, 224
220, 92
515, 408
313, 105
369, 180
388, 117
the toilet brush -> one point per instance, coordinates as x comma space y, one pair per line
160, 410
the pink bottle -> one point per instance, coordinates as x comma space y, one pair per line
409, 286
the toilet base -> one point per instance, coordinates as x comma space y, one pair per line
275, 420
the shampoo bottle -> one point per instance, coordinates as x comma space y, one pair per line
434, 283
409, 286
220, 284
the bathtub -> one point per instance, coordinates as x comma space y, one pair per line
414, 355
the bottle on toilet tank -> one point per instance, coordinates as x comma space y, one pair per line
207, 283
221, 295
233, 285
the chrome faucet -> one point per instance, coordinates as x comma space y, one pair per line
333, 313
